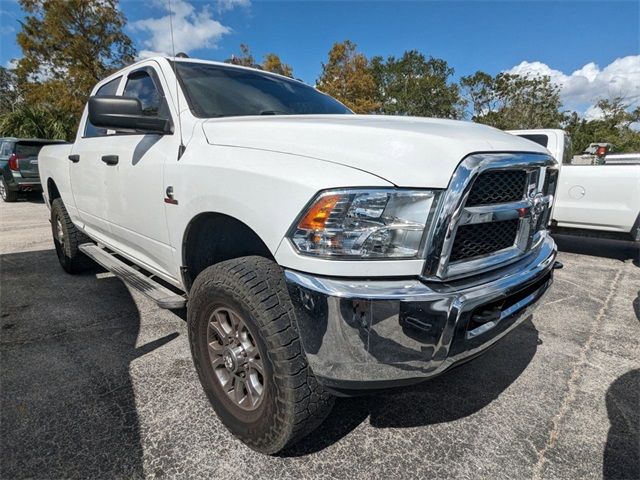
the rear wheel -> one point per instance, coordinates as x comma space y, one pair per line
6, 194
67, 238
248, 355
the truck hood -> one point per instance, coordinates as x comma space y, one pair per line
406, 151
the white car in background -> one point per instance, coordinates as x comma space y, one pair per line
604, 197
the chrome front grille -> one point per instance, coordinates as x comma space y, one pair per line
495, 212
479, 239
490, 188
500, 186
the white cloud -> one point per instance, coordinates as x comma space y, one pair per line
142, 54
45, 71
192, 29
581, 89
225, 5
593, 113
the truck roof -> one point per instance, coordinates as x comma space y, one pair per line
160, 59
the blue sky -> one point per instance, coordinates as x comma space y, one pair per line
590, 48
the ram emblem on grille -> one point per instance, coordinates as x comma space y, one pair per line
537, 207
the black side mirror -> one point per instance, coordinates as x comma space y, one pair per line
125, 114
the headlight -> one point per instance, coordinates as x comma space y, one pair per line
381, 223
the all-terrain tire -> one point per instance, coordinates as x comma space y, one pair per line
293, 402
6, 194
67, 238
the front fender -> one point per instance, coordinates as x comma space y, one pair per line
264, 190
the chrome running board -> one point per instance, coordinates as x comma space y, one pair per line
145, 284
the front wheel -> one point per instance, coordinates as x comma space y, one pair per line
248, 355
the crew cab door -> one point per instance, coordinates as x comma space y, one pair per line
134, 176
88, 173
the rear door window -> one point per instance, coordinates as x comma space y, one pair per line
538, 138
109, 88
7, 149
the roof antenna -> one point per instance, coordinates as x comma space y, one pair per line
182, 146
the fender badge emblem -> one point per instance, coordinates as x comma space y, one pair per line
170, 200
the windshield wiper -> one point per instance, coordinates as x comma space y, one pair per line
272, 112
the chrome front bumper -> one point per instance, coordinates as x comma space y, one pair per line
361, 334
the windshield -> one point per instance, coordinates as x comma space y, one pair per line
218, 91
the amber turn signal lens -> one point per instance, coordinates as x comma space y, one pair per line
319, 212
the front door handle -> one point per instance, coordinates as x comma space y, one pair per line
74, 158
110, 159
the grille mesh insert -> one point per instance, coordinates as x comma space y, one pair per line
483, 238
499, 186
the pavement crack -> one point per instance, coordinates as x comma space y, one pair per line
570, 396
580, 287
557, 301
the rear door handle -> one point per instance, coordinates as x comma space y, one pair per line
74, 158
110, 159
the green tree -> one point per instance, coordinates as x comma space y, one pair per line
616, 113
478, 92
10, 96
348, 76
245, 58
413, 85
37, 122
513, 101
614, 127
271, 62
521, 102
68, 46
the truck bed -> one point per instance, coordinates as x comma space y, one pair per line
53, 163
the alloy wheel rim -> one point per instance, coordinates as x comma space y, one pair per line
3, 191
235, 358
59, 233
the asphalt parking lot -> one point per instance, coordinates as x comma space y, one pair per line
97, 382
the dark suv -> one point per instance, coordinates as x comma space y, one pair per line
19, 165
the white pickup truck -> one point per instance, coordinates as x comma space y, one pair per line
318, 252
602, 197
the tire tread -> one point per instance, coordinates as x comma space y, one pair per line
75, 261
303, 402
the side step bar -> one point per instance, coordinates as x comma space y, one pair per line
164, 297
